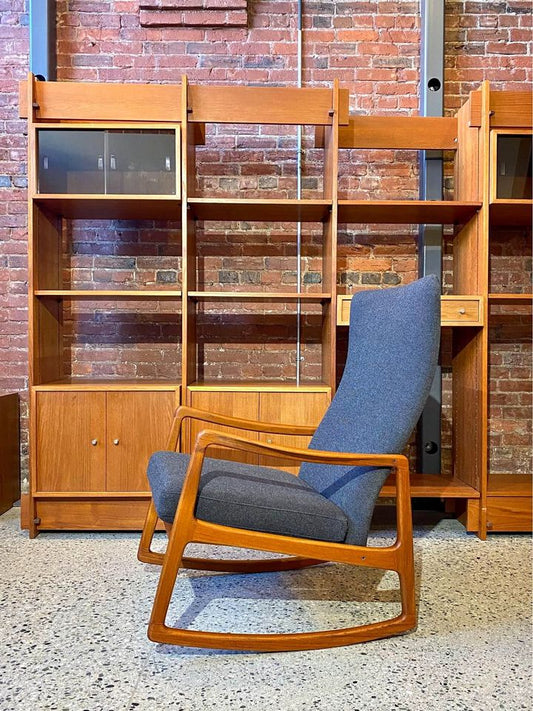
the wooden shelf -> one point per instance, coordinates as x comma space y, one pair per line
432, 486
80, 383
509, 485
258, 296
112, 207
399, 212
111, 295
512, 213
267, 210
259, 385
92, 495
514, 299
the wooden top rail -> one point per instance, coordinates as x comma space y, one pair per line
399, 132
509, 109
267, 105
84, 101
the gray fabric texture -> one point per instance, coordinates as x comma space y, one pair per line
393, 350
245, 496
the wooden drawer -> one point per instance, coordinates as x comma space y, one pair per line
461, 311
455, 310
343, 309
504, 513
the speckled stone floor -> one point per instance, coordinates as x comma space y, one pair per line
74, 608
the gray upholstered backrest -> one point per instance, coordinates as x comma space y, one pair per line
392, 353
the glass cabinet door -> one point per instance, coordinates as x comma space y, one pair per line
71, 161
513, 180
141, 162
107, 162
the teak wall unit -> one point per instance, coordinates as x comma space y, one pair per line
505, 502
93, 475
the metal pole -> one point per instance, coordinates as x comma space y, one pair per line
299, 196
431, 188
43, 61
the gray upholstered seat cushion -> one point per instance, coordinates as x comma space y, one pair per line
245, 496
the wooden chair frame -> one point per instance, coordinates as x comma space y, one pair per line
302, 552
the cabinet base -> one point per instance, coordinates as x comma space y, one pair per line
505, 514
91, 515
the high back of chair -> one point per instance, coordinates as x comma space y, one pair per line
392, 355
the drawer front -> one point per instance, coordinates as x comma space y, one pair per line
343, 310
460, 312
455, 311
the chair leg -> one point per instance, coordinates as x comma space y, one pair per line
406, 573
167, 580
406, 564
144, 552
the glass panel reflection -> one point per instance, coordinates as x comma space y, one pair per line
514, 167
141, 162
111, 162
71, 162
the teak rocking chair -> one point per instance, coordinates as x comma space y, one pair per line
324, 513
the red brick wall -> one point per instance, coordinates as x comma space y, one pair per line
371, 47
510, 364
14, 49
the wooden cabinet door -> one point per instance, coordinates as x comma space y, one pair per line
138, 424
70, 441
290, 408
232, 404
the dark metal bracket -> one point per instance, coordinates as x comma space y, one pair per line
431, 188
43, 55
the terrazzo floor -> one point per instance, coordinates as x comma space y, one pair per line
74, 608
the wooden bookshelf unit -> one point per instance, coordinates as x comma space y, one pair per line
102, 154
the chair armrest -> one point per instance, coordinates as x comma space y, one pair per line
184, 412
208, 438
